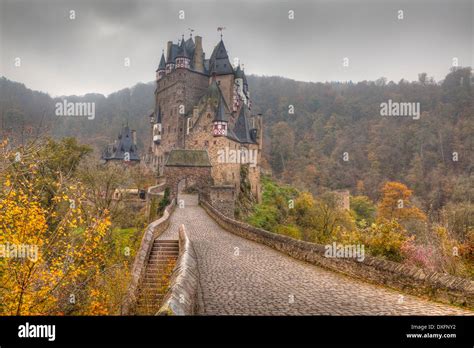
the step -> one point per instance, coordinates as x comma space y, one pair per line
164, 252
155, 250
154, 280
151, 299
165, 246
154, 286
163, 259
170, 245
158, 269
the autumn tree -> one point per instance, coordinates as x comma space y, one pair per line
42, 215
363, 208
396, 203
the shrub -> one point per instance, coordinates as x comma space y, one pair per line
264, 216
419, 255
164, 202
290, 231
363, 209
384, 238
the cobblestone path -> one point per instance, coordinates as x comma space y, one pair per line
241, 277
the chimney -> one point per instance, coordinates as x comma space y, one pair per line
134, 137
198, 54
168, 51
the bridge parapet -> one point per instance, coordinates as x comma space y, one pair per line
153, 230
441, 287
181, 298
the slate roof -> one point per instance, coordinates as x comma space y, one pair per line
219, 63
183, 50
172, 55
162, 65
190, 46
188, 158
242, 127
220, 113
123, 144
239, 73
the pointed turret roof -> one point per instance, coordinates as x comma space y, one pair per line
239, 73
219, 63
162, 65
190, 45
242, 127
220, 113
172, 53
183, 50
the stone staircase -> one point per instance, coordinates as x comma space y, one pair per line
156, 278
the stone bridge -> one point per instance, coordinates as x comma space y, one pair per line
241, 277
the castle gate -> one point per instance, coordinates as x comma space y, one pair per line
186, 169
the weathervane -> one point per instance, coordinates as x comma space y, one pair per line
221, 29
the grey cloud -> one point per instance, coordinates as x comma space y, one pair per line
60, 56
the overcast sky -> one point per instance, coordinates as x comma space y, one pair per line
63, 56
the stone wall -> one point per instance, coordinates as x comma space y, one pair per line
181, 298
223, 199
441, 287
343, 199
155, 229
201, 176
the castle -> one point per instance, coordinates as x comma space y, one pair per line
202, 128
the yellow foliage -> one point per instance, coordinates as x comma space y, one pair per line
396, 203
44, 261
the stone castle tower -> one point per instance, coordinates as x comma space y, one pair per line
202, 123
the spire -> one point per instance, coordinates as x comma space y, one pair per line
242, 127
239, 73
221, 29
219, 63
220, 114
219, 127
162, 65
183, 49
